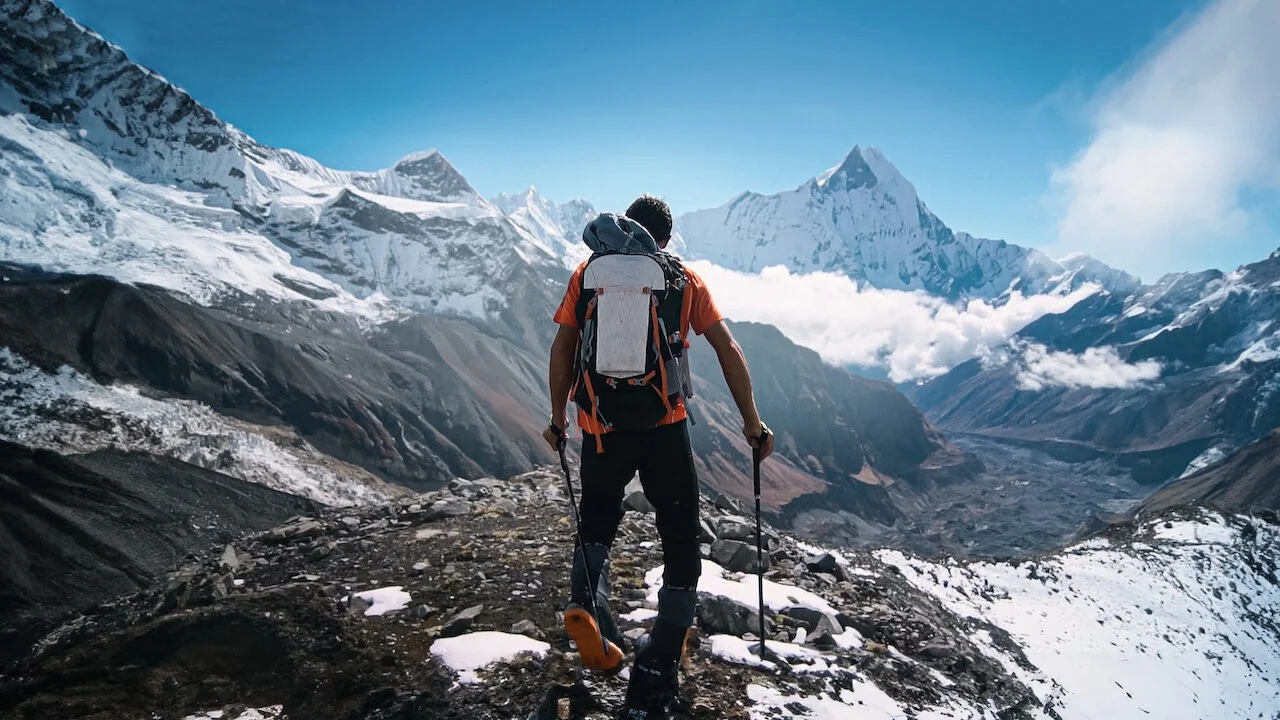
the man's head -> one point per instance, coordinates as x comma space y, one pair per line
654, 215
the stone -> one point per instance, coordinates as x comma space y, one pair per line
447, 509
527, 628
350, 521
229, 559
461, 622
938, 650
320, 553
704, 551
706, 533
222, 585
826, 563
420, 612
177, 591
719, 615
507, 506
357, 605
420, 567
728, 504
734, 527
305, 530
736, 556
824, 635
809, 618
638, 502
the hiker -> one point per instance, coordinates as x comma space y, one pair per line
621, 353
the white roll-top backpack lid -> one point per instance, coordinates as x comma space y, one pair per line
624, 285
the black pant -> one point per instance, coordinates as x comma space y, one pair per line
664, 460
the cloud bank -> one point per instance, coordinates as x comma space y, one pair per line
912, 335
1180, 141
1040, 368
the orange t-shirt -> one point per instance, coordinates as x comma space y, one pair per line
698, 312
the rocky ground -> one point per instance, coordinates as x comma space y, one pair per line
285, 623
76, 530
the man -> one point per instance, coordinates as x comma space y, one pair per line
660, 453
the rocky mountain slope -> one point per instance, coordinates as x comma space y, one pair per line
865, 220
445, 605
1246, 481
78, 530
1170, 375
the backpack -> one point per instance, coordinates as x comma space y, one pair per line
631, 366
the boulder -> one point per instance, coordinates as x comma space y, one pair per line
527, 628
229, 560
638, 502
736, 556
825, 563
811, 619
719, 615
461, 622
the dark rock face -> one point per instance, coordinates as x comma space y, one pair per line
419, 401
78, 530
1247, 481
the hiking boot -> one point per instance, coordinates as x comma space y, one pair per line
651, 693
598, 650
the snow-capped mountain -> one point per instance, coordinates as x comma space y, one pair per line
109, 168
1169, 377
863, 219
558, 226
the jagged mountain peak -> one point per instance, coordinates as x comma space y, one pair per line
864, 219
557, 226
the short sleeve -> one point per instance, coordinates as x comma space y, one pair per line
567, 313
701, 307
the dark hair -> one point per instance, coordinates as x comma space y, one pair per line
654, 214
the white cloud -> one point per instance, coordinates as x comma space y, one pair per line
911, 334
1039, 367
1179, 141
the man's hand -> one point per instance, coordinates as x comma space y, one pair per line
759, 436
555, 432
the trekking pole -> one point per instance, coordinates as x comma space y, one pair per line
561, 442
759, 538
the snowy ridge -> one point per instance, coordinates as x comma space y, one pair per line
70, 413
865, 220
107, 167
558, 227
1180, 620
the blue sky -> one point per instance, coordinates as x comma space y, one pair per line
976, 102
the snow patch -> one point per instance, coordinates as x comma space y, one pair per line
271, 712
1178, 626
742, 588
383, 600
468, 653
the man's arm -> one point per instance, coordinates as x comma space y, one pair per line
560, 377
734, 365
